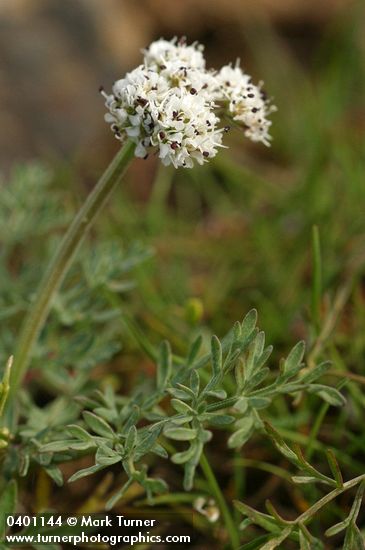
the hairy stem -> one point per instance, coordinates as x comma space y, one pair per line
58, 267
217, 493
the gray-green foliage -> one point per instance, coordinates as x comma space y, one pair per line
298, 530
81, 331
227, 388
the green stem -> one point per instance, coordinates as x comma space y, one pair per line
4, 385
315, 429
317, 279
217, 493
57, 269
161, 187
313, 510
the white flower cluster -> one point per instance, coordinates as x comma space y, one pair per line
172, 105
248, 103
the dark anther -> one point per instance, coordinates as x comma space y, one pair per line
205, 86
227, 83
101, 89
174, 145
254, 109
162, 135
205, 154
208, 123
227, 128
162, 67
250, 95
174, 114
141, 101
263, 95
193, 91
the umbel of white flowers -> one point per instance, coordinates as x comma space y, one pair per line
174, 106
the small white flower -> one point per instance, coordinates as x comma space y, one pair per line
162, 52
186, 130
171, 105
207, 508
248, 104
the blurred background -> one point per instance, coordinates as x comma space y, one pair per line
54, 56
